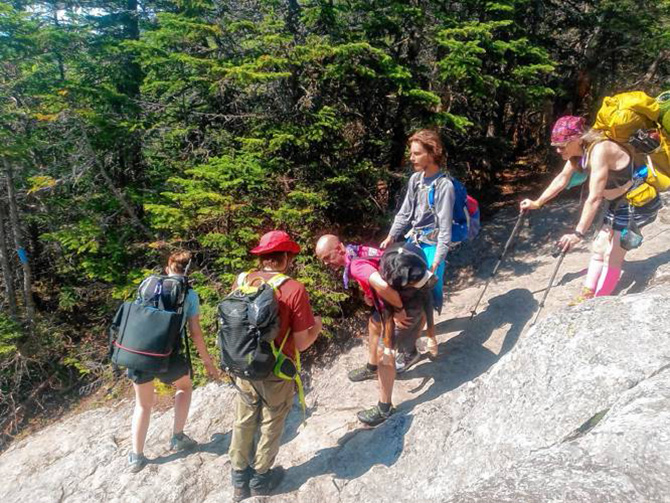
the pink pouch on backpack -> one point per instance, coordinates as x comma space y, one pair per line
472, 205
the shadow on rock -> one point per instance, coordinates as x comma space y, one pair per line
463, 359
638, 274
355, 453
537, 238
570, 276
218, 445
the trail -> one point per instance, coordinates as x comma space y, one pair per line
447, 409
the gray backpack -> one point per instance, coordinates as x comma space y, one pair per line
145, 333
248, 324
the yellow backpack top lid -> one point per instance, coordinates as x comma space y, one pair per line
623, 114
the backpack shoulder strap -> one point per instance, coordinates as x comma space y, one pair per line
277, 280
242, 277
432, 189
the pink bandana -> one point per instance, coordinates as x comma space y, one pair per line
567, 128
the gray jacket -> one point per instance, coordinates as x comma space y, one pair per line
416, 214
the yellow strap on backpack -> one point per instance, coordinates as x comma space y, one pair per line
275, 282
248, 287
281, 358
658, 163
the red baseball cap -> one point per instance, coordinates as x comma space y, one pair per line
276, 241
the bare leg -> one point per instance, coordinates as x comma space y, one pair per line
374, 330
432, 345
386, 371
612, 270
182, 402
616, 255
386, 375
144, 401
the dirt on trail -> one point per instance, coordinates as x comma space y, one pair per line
83, 457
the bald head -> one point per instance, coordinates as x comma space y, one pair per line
330, 250
326, 244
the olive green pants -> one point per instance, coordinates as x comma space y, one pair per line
265, 418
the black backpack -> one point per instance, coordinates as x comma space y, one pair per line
403, 264
145, 333
248, 324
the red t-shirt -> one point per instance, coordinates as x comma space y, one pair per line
295, 311
361, 269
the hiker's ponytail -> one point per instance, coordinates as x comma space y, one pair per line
178, 261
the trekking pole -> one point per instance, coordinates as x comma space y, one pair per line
551, 283
515, 231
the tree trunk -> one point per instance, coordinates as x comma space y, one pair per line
126, 205
18, 242
6, 269
293, 20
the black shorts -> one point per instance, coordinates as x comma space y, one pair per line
178, 367
618, 216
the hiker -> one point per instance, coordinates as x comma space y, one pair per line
428, 207
178, 374
362, 264
609, 168
263, 405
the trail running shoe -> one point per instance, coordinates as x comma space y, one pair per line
362, 374
136, 462
181, 442
584, 295
403, 361
374, 416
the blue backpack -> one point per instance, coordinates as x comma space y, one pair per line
466, 222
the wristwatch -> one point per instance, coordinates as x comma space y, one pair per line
578, 234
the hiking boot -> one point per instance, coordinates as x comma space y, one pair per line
240, 480
136, 462
362, 374
182, 442
374, 416
264, 484
584, 295
241, 493
404, 361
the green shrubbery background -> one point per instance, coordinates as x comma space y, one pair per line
129, 128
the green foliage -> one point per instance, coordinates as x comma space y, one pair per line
10, 334
200, 125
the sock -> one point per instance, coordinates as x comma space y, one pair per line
608, 281
371, 367
593, 273
384, 407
